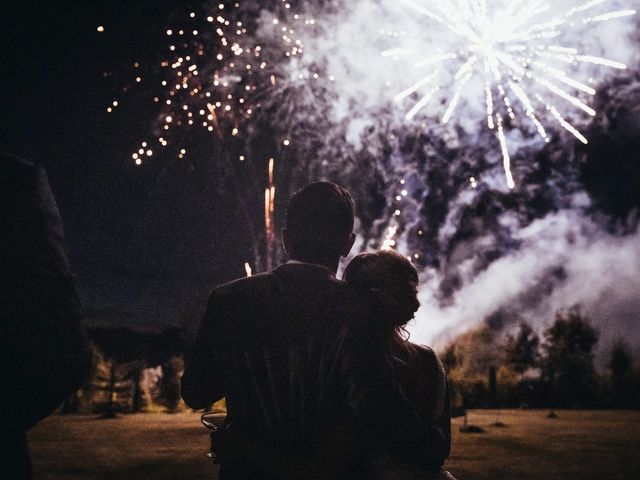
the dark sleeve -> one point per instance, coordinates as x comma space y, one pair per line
49, 355
202, 381
445, 421
442, 419
382, 409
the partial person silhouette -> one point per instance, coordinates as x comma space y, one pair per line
393, 281
43, 351
305, 371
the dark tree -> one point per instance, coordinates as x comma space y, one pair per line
493, 387
448, 358
137, 400
522, 350
568, 359
620, 366
121, 356
113, 380
170, 385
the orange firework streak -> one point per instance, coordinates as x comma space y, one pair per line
269, 216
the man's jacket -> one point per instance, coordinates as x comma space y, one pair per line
297, 357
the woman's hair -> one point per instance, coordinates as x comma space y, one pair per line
393, 276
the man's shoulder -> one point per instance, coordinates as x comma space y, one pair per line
237, 299
265, 287
242, 286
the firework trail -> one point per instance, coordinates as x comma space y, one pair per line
269, 217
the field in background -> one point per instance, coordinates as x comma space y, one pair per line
578, 445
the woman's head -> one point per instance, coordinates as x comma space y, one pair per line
393, 276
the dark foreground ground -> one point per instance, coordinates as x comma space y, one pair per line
584, 445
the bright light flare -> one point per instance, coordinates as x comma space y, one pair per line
515, 48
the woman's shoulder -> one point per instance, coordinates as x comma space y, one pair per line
424, 352
425, 357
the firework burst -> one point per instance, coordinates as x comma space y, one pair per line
215, 73
517, 51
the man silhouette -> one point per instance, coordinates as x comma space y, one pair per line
43, 352
296, 359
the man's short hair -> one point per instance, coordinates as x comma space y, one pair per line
319, 219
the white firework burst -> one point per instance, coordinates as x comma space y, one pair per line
517, 50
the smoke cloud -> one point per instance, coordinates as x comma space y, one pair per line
350, 39
561, 258
564, 259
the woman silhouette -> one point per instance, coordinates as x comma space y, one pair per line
394, 282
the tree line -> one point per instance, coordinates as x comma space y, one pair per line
132, 372
555, 371
140, 372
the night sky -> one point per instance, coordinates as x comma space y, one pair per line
148, 242
145, 246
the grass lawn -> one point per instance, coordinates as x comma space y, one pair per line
584, 445
578, 445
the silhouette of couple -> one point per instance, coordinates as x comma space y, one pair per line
318, 378
319, 382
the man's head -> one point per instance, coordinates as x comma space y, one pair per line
319, 224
